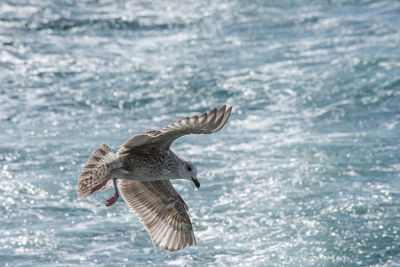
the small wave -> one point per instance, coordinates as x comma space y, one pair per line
65, 24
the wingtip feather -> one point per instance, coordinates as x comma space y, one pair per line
223, 118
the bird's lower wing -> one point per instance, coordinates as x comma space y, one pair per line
162, 211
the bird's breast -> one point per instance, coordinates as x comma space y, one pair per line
148, 168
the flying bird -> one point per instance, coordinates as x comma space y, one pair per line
145, 164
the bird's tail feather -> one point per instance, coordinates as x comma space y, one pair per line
96, 170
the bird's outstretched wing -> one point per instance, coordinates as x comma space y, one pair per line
157, 142
162, 211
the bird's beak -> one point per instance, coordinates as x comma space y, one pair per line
196, 182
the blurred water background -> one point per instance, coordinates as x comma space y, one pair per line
306, 172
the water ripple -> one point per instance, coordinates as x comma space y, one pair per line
305, 172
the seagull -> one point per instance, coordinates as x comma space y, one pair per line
145, 164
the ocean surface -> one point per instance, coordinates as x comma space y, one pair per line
305, 173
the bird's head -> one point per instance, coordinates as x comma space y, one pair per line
188, 171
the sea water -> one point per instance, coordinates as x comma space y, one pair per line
305, 173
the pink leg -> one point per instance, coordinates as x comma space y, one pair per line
97, 187
112, 200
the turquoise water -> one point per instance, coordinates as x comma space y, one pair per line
305, 173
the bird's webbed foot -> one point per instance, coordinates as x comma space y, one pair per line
115, 197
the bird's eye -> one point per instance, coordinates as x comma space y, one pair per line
189, 168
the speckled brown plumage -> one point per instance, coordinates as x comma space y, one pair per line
145, 164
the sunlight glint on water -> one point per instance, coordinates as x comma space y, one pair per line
305, 173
